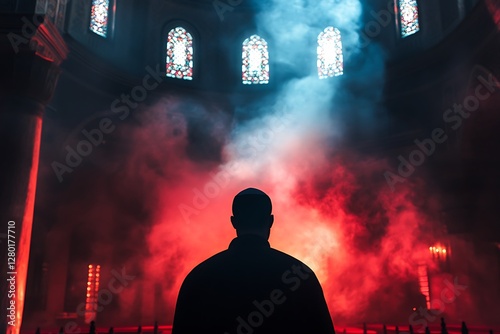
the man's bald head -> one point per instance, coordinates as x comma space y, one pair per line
252, 209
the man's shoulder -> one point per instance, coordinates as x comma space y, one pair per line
218, 264
212, 263
288, 258
221, 259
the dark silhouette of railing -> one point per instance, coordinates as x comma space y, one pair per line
156, 330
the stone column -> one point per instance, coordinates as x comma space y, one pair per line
31, 51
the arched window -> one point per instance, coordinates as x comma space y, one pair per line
99, 17
330, 57
255, 63
179, 54
408, 17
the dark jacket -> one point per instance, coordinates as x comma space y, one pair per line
251, 288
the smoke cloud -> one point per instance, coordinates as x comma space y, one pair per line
333, 209
161, 188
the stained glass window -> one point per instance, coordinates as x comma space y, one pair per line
330, 58
408, 15
180, 54
99, 17
255, 64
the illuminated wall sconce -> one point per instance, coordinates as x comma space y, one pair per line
439, 252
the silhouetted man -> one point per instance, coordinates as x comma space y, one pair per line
250, 287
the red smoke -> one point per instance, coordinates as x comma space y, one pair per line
494, 9
156, 200
333, 210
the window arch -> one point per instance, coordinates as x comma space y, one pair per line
179, 62
408, 17
99, 17
255, 61
330, 57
